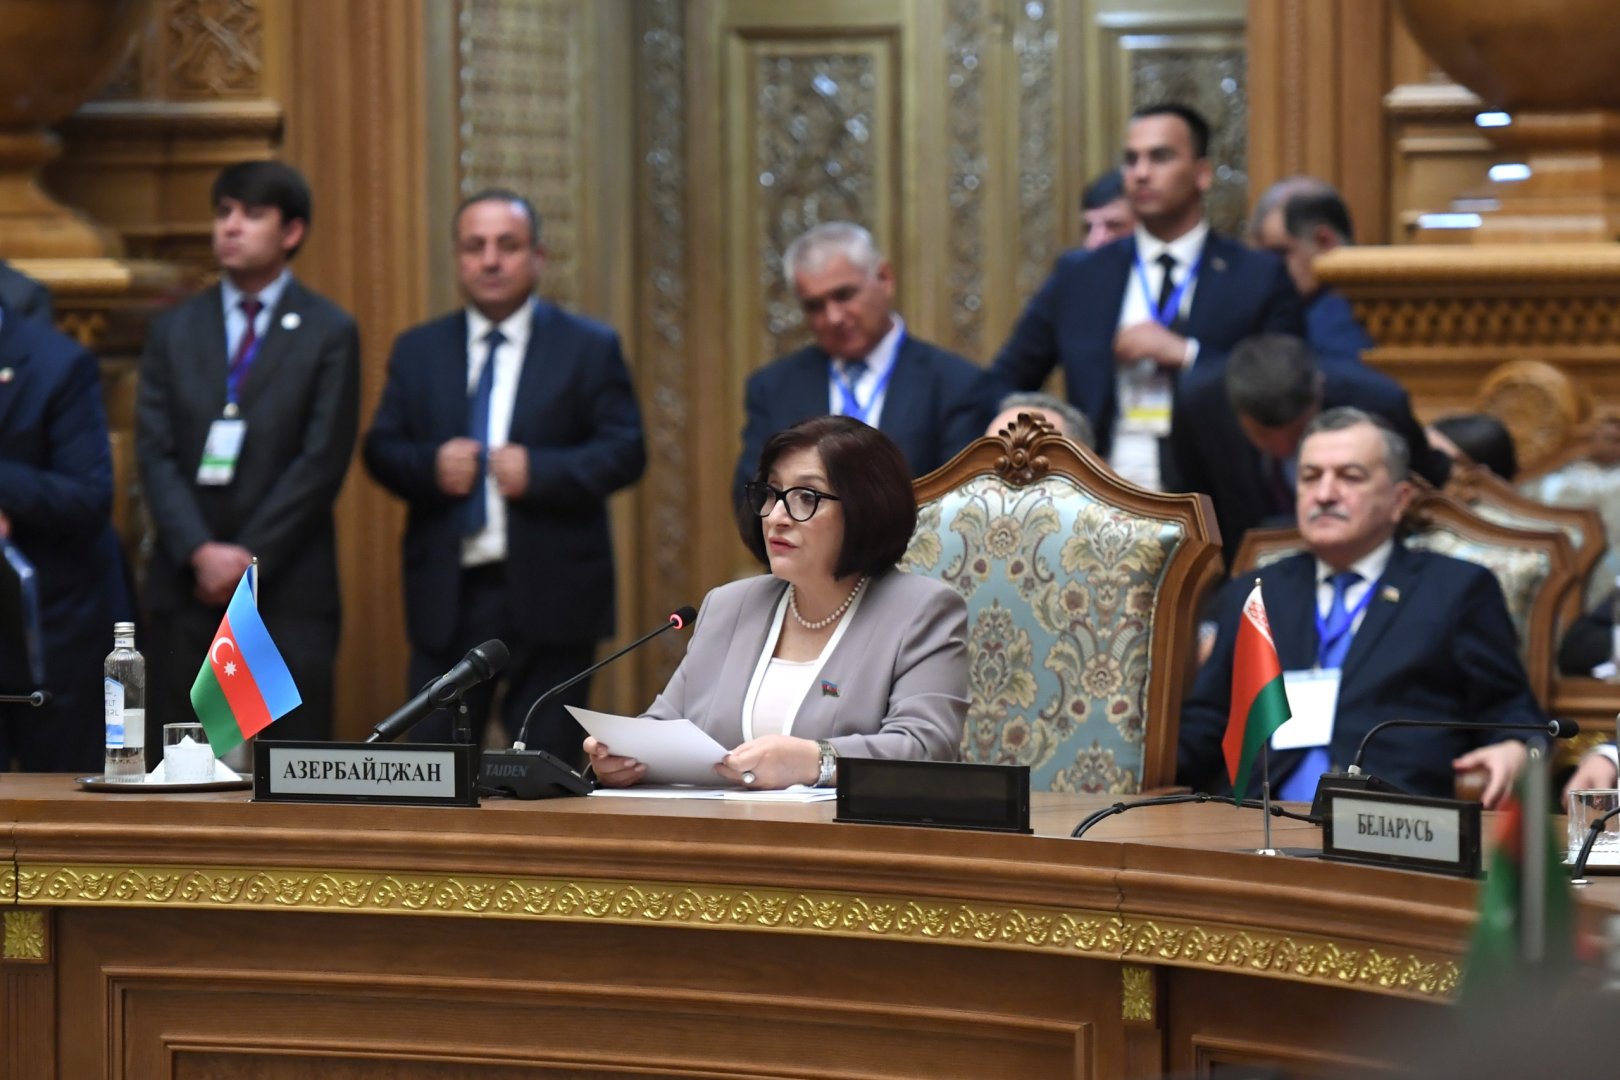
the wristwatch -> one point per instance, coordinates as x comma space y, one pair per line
829, 764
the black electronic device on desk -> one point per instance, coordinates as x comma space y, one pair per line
938, 794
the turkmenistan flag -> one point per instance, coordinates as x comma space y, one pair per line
243, 684
1495, 963
1259, 702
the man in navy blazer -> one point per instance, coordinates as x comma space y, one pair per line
1409, 634
505, 427
24, 296
864, 363
55, 506
1124, 320
1299, 218
1236, 432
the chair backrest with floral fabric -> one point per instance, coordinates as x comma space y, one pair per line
1082, 592
1535, 567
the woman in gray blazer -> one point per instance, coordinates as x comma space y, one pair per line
834, 652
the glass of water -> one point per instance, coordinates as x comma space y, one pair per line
1585, 807
187, 757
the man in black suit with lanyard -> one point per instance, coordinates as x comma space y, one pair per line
864, 362
505, 426
245, 421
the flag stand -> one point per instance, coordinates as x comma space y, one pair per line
1265, 801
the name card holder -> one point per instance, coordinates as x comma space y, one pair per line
939, 794
410, 774
1407, 832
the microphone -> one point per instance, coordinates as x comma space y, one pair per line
482, 663
534, 774
1353, 779
1106, 812
38, 699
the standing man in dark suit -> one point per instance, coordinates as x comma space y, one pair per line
1298, 219
505, 427
245, 422
55, 506
1236, 432
1126, 319
1378, 631
864, 362
25, 297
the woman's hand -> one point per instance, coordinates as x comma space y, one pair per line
777, 761
611, 770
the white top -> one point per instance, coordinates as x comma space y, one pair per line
767, 658
780, 692
1370, 566
878, 363
489, 546
1135, 454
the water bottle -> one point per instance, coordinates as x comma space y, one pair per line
124, 696
1614, 627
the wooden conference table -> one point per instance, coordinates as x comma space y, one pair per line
204, 935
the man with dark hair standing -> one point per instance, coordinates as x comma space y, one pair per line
1126, 319
1298, 219
505, 426
1368, 629
1237, 431
245, 421
55, 500
1105, 212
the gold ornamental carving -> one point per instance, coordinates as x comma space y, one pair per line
215, 48
1097, 934
24, 936
1136, 984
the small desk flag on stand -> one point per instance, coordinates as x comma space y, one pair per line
1259, 702
243, 684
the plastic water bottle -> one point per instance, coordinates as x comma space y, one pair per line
1614, 628
124, 696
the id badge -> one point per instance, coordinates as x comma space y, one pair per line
1146, 408
1312, 698
222, 451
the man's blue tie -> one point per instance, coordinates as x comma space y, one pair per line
477, 513
1300, 785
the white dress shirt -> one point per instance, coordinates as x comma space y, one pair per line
878, 363
236, 319
489, 546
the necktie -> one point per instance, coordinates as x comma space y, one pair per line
1300, 784
477, 512
245, 346
850, 372
1167, 287
1282, 492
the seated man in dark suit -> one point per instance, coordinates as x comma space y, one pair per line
1300, 218
864, 362
1382, 630
1237, 432
55, 506
1125, 320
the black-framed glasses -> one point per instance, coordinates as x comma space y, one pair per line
801, 502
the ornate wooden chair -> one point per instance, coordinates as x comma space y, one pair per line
1536, 568
1082, 592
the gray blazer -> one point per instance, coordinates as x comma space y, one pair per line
898, 676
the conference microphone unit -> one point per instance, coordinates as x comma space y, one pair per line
481, 664
522, 773
1353, 779
37, 700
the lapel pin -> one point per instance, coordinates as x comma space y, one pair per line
1390, 593
1218, 263
829, 688
290, 321
6, 374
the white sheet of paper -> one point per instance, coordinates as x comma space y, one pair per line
674, 751
1312, 698
798, 793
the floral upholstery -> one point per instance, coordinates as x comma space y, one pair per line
1061, 592
1520, 571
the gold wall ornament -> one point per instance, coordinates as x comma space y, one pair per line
214, 49
25, 936
1095, 934
1137, 987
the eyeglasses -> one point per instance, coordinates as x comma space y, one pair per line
801, 502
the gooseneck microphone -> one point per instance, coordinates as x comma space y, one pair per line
1557, 729
482, 663
36, 700
1186, 797
534, 774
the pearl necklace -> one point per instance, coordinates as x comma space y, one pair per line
793, 606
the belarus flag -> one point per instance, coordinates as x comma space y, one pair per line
1259, 702
244, 684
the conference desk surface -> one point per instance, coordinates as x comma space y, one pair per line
177, 935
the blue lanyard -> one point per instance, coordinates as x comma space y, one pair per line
1172, 305
851, 405
238, 371
1324, 642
